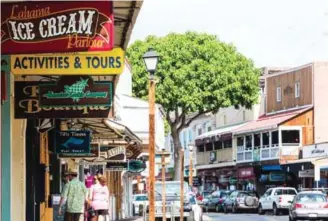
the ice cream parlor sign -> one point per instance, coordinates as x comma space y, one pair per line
41, 27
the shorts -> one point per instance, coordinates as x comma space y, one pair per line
73, 217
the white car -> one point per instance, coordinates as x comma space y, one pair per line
139, 199
276, 199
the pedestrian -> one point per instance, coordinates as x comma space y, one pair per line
88, 178
75, 194
99, 200
65, 181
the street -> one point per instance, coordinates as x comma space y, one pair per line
242, 216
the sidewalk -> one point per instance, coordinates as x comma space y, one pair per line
137, 218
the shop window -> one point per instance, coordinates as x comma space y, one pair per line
199, 131
200, 148
249, 142
290, 137
240, 141
218, 145
257, 140
297, 89
275, 138
265, 139
227, 143
209, 147
278, 94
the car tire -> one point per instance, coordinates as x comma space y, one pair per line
260, 210
234, 209
275, 210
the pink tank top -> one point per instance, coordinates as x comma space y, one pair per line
89, 181
100, 197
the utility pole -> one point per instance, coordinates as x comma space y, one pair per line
191, 149
163, 163
182, 183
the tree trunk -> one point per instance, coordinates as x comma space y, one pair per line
177, 148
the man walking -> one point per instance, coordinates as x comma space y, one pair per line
75, 194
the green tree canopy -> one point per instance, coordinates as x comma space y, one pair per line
196, 73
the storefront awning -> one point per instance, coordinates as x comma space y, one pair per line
269, 122
109, 131
223, 133
125, 16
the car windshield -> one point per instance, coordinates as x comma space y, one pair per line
311, 198
206, 194
170, 188
244, 194
224, 194
141, 198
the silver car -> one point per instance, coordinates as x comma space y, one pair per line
309, 205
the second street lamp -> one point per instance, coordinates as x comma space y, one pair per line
151, 60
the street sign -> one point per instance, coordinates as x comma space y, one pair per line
113, 153
76, 91
72, 142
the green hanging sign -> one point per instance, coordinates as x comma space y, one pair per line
136, 166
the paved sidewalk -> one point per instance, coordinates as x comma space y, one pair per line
138, 218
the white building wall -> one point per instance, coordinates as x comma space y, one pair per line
124, 85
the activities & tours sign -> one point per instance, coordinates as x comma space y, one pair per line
51, 26
76, 91
27, 105
80, 63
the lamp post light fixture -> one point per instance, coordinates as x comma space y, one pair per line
151, 59
191, 149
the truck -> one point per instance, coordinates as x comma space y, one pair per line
172, 194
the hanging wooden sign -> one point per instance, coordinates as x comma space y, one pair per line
76, 91
27, 105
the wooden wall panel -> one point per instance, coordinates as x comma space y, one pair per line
287, 83
306, 121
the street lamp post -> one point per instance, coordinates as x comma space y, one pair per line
191, 148
151, 59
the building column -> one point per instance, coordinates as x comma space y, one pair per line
6, 143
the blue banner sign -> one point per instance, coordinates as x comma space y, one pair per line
72, 142
277, 176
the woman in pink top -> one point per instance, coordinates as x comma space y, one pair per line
99, 198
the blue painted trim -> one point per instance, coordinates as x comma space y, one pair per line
5, 147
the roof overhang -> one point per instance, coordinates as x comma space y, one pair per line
125, 16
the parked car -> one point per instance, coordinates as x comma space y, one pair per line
139, 199
309, 205
205, 197
216, 200
276, 199
241, 200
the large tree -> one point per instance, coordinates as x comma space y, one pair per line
196, 73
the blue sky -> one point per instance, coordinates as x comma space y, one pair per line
272, 32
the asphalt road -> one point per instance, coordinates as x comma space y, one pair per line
242, 217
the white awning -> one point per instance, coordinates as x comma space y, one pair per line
215, 165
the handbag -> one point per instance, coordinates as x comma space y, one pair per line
91, 212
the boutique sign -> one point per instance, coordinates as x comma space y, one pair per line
27, 103
76, 91
73, 26
315, 150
